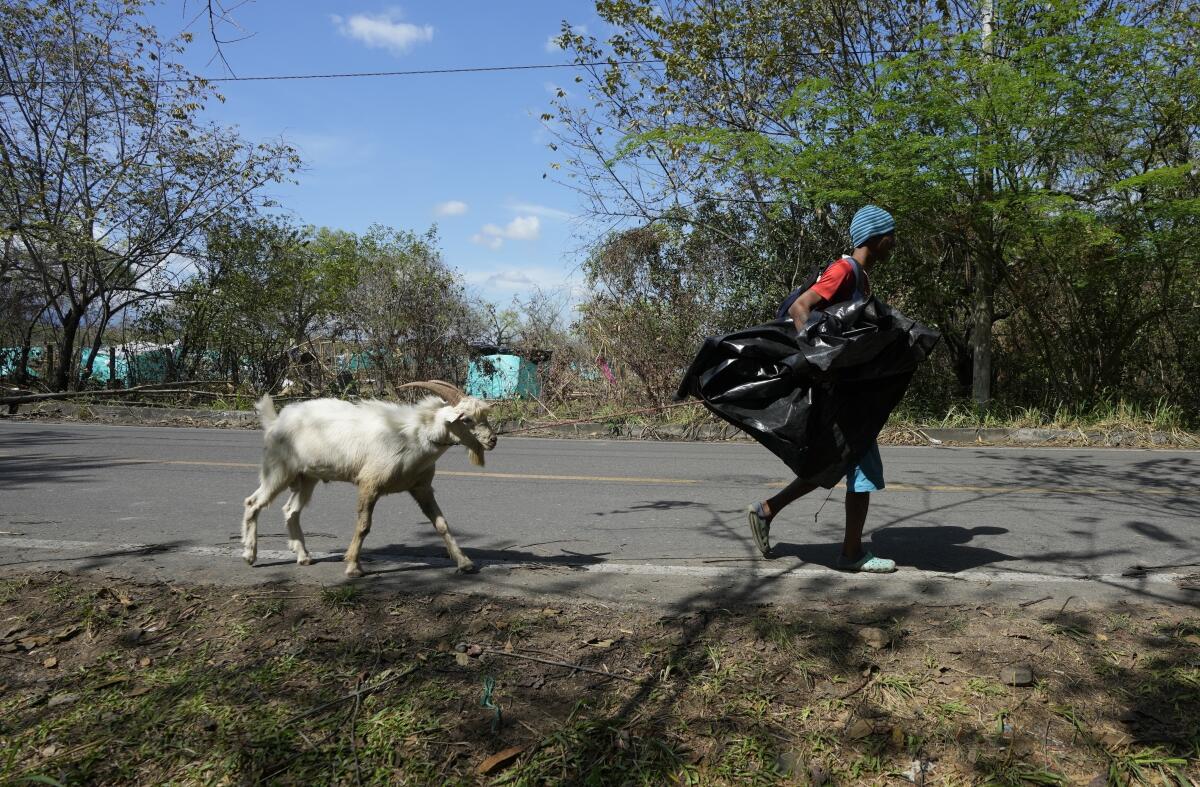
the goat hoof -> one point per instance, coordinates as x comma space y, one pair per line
467, 568
354, 571
305, 561
249, 556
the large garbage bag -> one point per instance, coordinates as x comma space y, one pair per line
816, 397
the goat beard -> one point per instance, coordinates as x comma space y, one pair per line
475, 454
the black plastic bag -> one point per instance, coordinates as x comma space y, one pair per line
818, 397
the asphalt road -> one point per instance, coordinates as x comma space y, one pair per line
616, 520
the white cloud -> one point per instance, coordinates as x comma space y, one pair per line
552, 41
452, 207
540, 210
520, 228
523, 279
383, 31
484, 240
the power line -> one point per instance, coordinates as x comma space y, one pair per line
424, 71
477, 69
357, 74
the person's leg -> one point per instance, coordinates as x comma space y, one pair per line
857, 504
788, 495
761, 514
863, 478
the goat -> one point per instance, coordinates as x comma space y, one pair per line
379, 446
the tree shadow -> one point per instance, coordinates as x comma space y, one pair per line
934, 548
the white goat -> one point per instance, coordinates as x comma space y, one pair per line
379, 446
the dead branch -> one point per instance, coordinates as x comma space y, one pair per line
117, 392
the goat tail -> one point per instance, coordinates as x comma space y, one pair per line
266, 411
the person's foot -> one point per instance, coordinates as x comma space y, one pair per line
760, 528
866, 564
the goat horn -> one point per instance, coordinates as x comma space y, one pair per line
450, 393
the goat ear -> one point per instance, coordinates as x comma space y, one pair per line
451, 415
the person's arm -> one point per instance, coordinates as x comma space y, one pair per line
800, 307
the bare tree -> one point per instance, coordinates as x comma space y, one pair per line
106, 172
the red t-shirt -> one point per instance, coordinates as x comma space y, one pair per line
836, 283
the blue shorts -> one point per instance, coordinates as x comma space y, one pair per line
866, 475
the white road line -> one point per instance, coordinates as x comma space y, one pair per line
635, 569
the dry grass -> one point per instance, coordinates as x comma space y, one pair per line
120, 683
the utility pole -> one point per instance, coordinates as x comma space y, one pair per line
983, 305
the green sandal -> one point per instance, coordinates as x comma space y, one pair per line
760, 528
867, 564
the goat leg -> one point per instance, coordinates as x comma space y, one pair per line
302, 489
367, 496
424, 497
270, 486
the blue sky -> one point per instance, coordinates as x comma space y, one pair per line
466, 151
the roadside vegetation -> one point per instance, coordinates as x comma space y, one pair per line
114, 682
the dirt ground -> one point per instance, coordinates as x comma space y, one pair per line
115, 682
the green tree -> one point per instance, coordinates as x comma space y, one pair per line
1044, 184
408, 310
266, 289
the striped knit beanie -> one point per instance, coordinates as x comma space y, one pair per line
868, 222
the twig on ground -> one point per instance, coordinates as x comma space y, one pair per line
554, 663
1137, 569
850, 692
354, 733
41, 397
544, 407
591, 418
356, 694
1035, 601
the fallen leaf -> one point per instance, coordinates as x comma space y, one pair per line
499, 760
600, 643
50, 662
462, 659
113, 681
139, 691
68, 632
145, 661
29, 643
861, 728
1114, 739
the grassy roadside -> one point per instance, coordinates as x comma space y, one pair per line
114, 682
